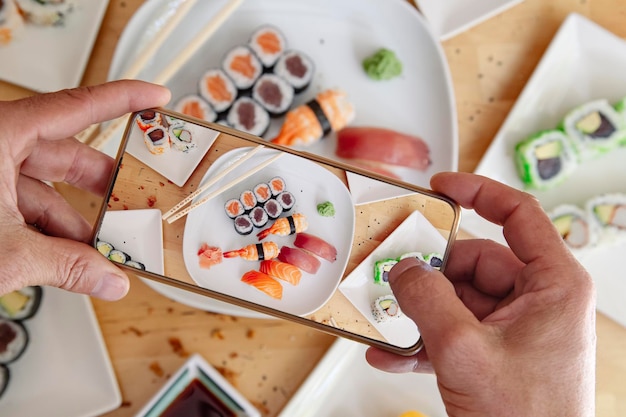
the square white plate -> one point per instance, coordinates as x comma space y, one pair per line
359, 286
65, 370
583, 62
53, 58
448, 18
343, 384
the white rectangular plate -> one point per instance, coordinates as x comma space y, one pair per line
65, 370
583, 62
53, 58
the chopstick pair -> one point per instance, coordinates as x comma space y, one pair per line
174, 214
168, 72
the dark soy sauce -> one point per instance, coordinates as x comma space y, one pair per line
197, 401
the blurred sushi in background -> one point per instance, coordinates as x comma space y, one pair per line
248, 116
573, 225
13, 340
268, 43
218, 90
297, 68
195, 106
11, 22
243, 67
274, 93
46, 12
608, 211
21, 304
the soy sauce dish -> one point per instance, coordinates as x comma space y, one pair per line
195, 390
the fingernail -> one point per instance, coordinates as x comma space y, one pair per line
406, 264
111, 287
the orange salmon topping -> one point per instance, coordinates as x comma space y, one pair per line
192, 108
269, 42
243, 65
216, 86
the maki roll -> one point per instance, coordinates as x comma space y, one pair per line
385, 308
119, 256
545, 159
248, 200
218, 90
234, 208
286, 200
181, 138
595, 128
195, 106
157, 140
262, 192
418, 255
608, 211
268, 43
249, 116
297, 68
273, 208
21, 304
11, 22
45, 12
381, 270
243, 224
434, 259
5, 376
13, 340
573, 225
148, 119
104, 248
274, 93
258, 216
243, 67
135, 264
277, 185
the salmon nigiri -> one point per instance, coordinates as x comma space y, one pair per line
281, 270
263, 282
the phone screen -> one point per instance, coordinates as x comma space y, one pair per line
225, 214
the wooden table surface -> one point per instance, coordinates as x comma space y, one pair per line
149, 336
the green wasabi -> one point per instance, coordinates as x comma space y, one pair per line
383, 65
326, 209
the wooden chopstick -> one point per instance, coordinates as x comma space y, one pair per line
223, 188
212, 181
181, 59
148, 53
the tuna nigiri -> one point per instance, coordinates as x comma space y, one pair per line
316, 245
299, 258
263, 282
209, 256
281, 270
285, 226
255, 252
330, 111
384, 146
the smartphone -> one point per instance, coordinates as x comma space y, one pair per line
278, 230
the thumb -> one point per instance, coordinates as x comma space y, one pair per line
430, 300
67, 264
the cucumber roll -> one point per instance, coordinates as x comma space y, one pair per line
119, 256
46, 12
595, 128
545, 159
21, 304
608, 211
11, 22
381, 270
5, 376
13, 340
573, 225
385, 308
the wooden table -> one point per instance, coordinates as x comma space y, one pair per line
149, 336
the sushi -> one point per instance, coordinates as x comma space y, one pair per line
330, 111
573, 225
234, 208
296, 68
148, 119
545, 159
243, 67
21, 304
263, 282
281, 270
286, 200
243, 225
248, 116
434, 259
268, 43
273, 208
608, 212
285, 226
157, 140
300, 259
258, 216
135, 264
11, 22
316, 246
248, 200
13, 340
104, 248
262, 192
274, 93
218, 90
277, 185
595, 128
45, 12
385, 308
119, 256
181, 139
195, 106
255, 252
381, 270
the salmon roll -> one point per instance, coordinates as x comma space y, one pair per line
274, 93
234, 208
262, 192
243, 67
218, 90
268, 43
249, 116
297, 68
195, 106
248, 200
277, 185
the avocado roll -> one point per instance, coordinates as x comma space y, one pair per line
595, 128
385, 308
545, 159
119, 256
608, 211
181, 139
381, 270
104, 248
21, 304
13, 340
5, 376
573, 225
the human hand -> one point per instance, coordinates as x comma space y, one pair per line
508, 331
36, 137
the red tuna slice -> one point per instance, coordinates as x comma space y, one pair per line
384, 146
299, 258
316, 245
